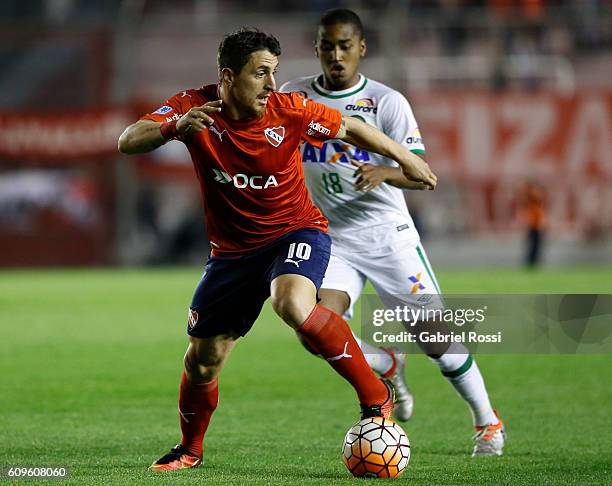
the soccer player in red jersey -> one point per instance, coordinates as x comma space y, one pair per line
267, 237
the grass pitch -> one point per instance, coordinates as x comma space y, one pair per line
90, 363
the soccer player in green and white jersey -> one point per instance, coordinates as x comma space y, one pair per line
373, 235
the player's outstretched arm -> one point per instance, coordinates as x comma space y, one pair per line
362, 135
369, 176
140, 137
146, 135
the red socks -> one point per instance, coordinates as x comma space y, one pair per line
330, 336
197, 402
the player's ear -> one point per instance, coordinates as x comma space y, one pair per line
227, 76
315, 44
363, 48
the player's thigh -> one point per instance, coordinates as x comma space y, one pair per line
404, 278
342, 276
293, 298
228, 297
296, 273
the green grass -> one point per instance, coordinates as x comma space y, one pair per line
90, 362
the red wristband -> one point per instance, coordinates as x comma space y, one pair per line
168, 130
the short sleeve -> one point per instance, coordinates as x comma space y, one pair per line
172, 109
398, 122
320, 122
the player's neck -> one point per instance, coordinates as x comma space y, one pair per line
231, 109
233, 112
327, 84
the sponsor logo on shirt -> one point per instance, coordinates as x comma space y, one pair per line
317, 129
364, 105
162, 110
275, 135
217, 132
242, 181
416, 283
415, 138
333, 152
176, 116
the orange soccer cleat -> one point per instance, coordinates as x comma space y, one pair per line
178, 458
385, 409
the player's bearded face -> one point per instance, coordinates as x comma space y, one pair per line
339, 48
253, 86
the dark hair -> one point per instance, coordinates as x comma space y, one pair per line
342, 16
236, 48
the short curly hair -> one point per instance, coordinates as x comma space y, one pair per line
236, 48
342, 16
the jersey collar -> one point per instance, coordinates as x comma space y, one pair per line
339, 94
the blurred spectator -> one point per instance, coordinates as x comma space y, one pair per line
533, 214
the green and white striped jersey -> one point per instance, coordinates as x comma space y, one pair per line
359, 220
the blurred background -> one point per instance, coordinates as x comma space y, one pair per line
513, 98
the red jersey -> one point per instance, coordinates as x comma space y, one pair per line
250, 171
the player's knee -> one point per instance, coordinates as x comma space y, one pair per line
201, 368
336, 301
282, 305
290, 308
200, 373
433, 349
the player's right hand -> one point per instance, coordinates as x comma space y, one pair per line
197, 119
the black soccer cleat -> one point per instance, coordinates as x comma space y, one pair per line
178, 458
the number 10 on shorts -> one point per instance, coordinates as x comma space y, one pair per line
299, 250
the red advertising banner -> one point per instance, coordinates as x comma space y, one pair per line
59, 136
517, 134
488, 145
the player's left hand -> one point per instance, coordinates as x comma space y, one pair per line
418, 170
369, 176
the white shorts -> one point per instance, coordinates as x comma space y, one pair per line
399, 278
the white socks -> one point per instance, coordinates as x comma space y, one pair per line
460, 369
380, 361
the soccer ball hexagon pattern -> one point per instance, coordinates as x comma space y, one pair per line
376, 447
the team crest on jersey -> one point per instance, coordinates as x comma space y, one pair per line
192, 318
275, 135
162, 110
